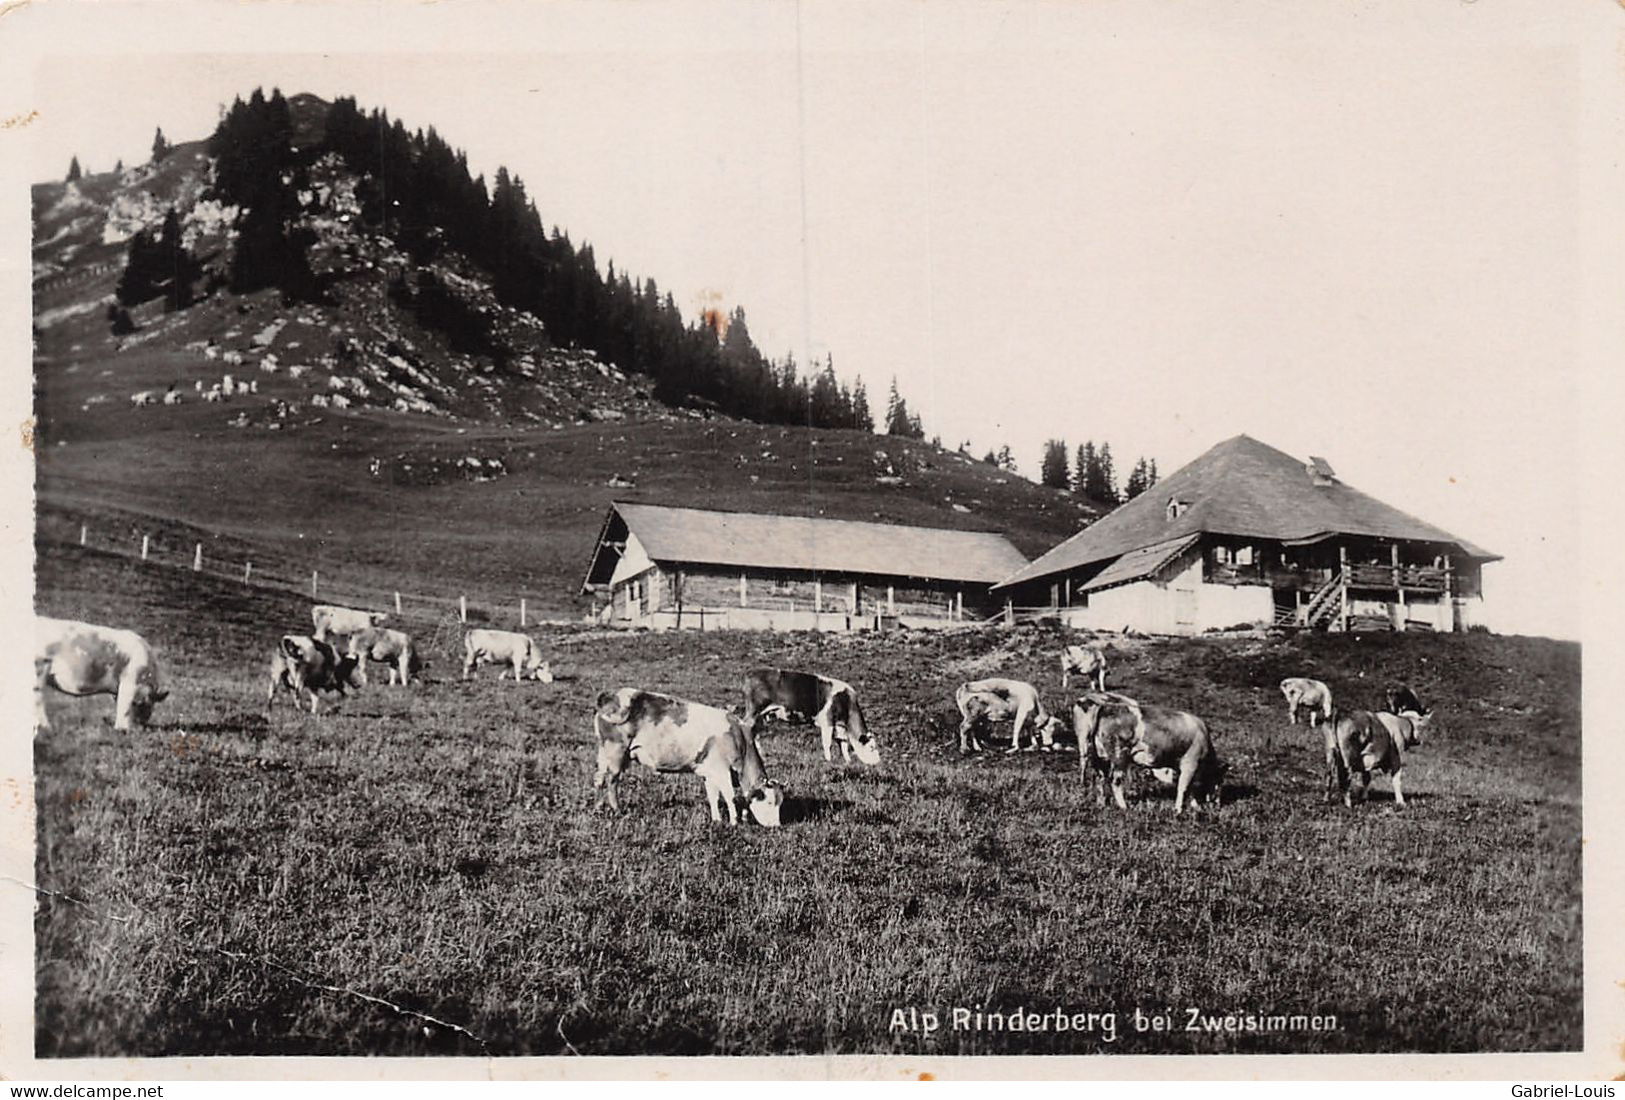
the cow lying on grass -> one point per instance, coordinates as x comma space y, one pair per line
305, 664
505, 647
996, 700
1362, 742
78, 658
797, 696
393, 648
1313, 695
669, 734
1115, 732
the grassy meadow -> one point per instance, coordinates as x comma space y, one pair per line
240, 879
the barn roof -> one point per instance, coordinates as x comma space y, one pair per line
753, 541
1246, 488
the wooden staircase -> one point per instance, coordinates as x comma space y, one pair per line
1326, 602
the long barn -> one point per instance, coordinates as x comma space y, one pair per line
692, 568
1248, 534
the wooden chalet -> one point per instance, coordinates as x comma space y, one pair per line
1246, 534
692, 568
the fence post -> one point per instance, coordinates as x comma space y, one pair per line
248, 567
397, 603
523, 622
143, 547
462, 608
313, 584
82, 533
197, 558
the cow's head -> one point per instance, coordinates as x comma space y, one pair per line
615, 707
543, 672
1418, 723
858, 736
766, 803
347, 672
1049, 728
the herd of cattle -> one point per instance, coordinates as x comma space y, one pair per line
1115, 733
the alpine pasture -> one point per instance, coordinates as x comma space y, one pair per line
227, 883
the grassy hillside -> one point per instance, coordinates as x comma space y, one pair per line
438, 848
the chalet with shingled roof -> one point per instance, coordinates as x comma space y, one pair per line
1247, 534
697, 569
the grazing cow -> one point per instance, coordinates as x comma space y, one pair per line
78, 658
795, 696
1313, 695
213, 395
1115, 732
506, 647
173, 397
669, 734
1362, 742
330, 620
144, 397
997, 699
1403, 700
1086, 660
388, 647
306, 664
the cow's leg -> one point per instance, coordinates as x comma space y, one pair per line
126, 701
1119, 778
1399, 789
1015, 730
1187, 772
826, 733
42, 673
719, 787
468, 665
612, 757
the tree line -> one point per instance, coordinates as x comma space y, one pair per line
414, 188
1092, 474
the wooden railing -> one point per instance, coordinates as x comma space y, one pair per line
1418, 578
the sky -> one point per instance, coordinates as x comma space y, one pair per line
1352, 230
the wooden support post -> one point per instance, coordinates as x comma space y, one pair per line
197, 558
1343, 585
1399, 589
462, 608
248, 569
82, 534
891, 600
818, 595
743, 591
397, 603
313, 584
1009, 613
852, 603
959, 606
524, 620
144, 543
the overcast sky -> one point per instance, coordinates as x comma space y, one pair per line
1349, 232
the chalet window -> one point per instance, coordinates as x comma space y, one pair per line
781, 584
1221, 555
1177, 507
1244, 556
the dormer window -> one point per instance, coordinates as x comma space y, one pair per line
1177, 508
1320, 471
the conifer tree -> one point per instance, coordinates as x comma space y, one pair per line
160, 147
862, 418
74, 171
1053, 470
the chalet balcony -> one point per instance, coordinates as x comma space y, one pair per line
1410, 578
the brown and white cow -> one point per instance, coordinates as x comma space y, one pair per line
505, 647
1361, 742
393, 648
831, 704
79, 658
996, 700
1115, 732
1088, 661
306, 664
669, 734
329, 620
1313, 695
